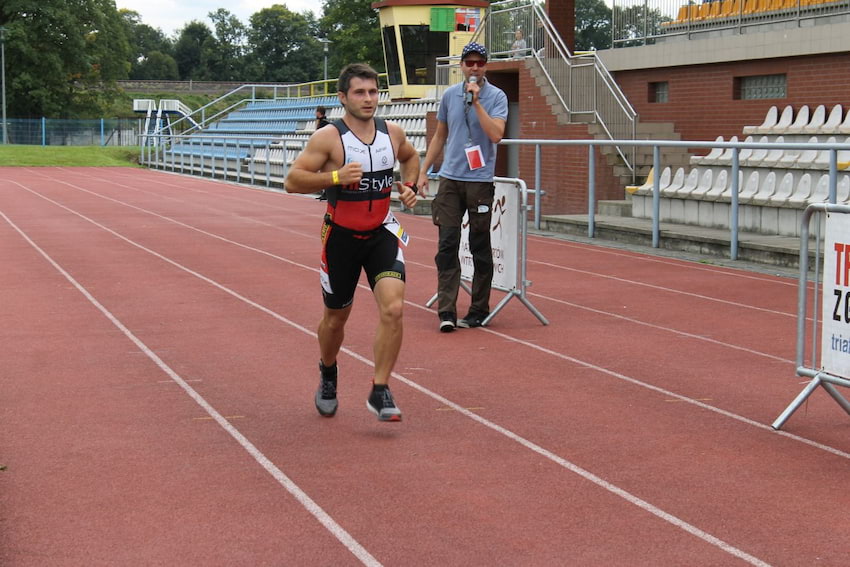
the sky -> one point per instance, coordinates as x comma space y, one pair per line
172, 15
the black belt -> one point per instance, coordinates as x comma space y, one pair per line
366, 233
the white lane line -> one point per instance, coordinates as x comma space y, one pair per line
247, 247
611, 373
688, 265
662, 328
665, 289
308, 503
627, 496
648, 386
589, 476
557, 266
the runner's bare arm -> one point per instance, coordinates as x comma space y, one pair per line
314, 169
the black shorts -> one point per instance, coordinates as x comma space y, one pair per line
344, 253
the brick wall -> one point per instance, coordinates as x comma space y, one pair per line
564, 172
701, 102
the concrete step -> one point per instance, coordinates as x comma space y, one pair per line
708, 243
620, 208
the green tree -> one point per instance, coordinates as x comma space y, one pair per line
227, 60
284, 46
157, 66
194, 49
637, 25
354, 28
63, 58
593, 25
144, 42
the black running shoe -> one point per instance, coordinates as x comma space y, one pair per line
447, 322
381, 403
472, 320
326, 401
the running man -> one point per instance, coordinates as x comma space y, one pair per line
353, 160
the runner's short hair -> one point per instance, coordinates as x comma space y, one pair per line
355, 70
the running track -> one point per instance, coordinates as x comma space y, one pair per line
159, 360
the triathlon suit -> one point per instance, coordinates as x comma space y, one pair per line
353, 234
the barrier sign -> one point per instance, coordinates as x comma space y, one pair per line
508, 235
835, 340
503, 239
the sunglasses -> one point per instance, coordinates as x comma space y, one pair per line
474, 62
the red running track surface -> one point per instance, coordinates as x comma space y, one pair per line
158, 361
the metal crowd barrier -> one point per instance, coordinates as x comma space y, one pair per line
830, 372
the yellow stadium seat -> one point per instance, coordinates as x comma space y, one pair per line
729, 8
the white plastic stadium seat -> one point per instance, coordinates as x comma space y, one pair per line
706, 181
770, 120
821, 191
802, 191
785, 120
817, 121
774, 154
755, 159
726, 156
783, 191
842, 193
822, 159
676, 184
745, 153
767, 188
800, 121
750, 188
806, 159
711, 157
720, 186
664, 180
691, 182
844, 128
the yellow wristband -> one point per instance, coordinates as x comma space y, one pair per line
335, 176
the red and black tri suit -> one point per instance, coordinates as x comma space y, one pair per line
353, 234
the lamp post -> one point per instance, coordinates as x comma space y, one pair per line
3, 78
325, 42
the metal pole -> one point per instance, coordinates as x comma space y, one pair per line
537, 192
591, 191
733, 222
656, 196
3, 73
325, 43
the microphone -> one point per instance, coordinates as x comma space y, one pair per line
472, 80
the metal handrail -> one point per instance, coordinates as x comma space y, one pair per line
578, 93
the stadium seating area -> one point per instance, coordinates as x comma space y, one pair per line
774, 185
713, 12
409, 115
265, 137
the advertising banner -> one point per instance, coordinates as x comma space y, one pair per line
504, 236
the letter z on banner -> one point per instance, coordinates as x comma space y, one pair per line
504, 235
835, 341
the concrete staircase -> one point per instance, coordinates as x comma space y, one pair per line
641, 157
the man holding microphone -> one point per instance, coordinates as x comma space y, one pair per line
470, 122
